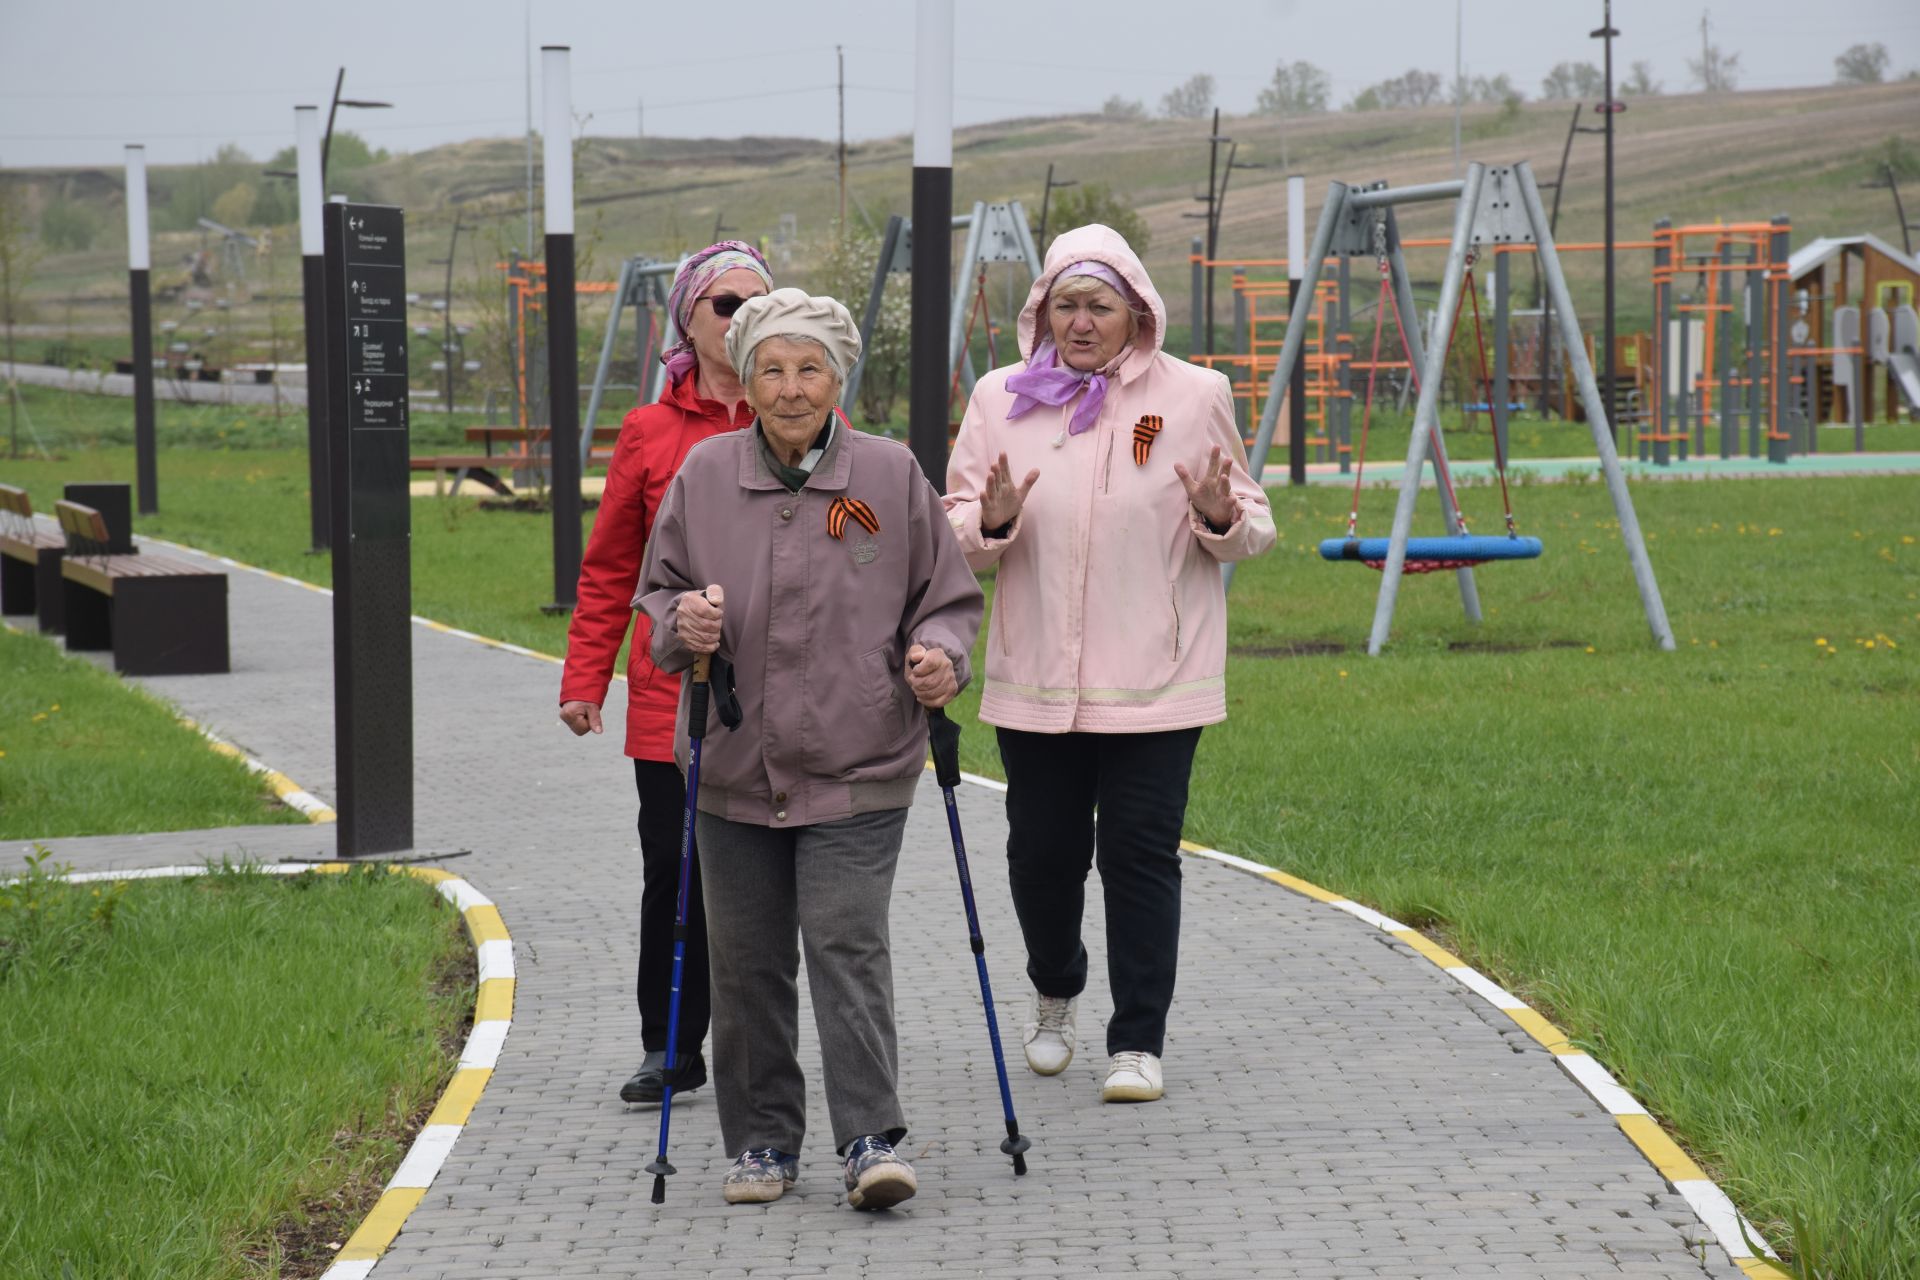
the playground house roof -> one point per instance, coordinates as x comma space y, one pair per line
1816, 252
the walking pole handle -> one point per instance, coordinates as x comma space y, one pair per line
702, 681
943, 736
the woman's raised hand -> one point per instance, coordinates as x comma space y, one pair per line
1001, 502
1212, 494
700, 619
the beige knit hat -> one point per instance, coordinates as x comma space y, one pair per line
794, 313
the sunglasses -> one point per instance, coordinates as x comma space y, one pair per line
725, 304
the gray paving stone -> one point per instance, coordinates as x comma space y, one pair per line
1336, 1107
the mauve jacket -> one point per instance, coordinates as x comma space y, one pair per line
817, 627
1109, 615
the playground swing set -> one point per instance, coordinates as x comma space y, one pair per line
1496, 207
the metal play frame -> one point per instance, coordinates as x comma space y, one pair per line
1496, 206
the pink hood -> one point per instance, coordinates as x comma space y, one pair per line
1095, 243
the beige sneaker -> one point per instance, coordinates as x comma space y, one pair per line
1133, 1077
1050, 1036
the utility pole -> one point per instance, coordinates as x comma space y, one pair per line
527, 46
1611, 108
1459, 78
840, 56
1706, 66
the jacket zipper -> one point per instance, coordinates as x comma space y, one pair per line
1173, 594
1106, 470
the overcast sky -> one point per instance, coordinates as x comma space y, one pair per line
79, 78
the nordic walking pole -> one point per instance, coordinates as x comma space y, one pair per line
696, 733
944, 736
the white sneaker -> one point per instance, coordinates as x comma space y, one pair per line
1132, 1077
1049, 1034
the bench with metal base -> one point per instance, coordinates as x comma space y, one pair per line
29, 563
158, 616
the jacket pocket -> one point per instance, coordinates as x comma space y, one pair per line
883, 694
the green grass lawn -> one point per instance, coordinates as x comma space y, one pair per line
1702, 864
81, 753
211, 1077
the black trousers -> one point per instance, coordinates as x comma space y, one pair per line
663, 799
1138, 784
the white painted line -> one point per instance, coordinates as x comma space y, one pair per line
1368, 914
1239, 863
358, 1269
496, 959
139, 873
424, 1158
1599, 1082
1495, 994
979, 781
483, 1044
1711, 1203
463, 895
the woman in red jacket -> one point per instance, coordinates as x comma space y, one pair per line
703, 398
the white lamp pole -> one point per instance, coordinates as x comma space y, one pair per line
563, 357
933, 241
140, 289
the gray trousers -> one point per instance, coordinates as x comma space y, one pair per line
770, 892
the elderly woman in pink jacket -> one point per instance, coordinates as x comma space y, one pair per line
1106, 481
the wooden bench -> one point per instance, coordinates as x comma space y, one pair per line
490, 468
29, 563
159, 616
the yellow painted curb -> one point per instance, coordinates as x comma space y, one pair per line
462, 1095
382, 1225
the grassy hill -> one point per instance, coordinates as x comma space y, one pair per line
1698, 158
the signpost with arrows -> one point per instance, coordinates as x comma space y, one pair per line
367, 418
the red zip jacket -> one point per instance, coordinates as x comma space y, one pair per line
654, 440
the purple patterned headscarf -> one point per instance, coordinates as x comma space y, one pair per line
690, 284
1046, 380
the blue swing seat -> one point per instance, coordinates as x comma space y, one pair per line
1421, 550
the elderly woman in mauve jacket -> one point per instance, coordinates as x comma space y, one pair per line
816, 563
1107, 481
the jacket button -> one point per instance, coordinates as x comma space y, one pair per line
786, 513
779, 815
779, 797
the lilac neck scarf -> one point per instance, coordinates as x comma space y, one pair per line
1046, 380
690, 284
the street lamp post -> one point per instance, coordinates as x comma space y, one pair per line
326, 142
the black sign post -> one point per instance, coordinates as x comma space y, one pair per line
366, 389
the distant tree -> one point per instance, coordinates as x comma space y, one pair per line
68, 227
1498, 88
1119, 108
1715, 71
1298, 89
1641, 83
1416, 88
1862, 64
1573, 80
844, 269
1190, 101
1097, 202
234, 206
18, 254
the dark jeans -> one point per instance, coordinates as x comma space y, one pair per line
663, 799
1138, 784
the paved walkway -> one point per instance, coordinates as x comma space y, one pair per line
1336, 1106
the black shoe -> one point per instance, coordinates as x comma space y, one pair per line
649, 1082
